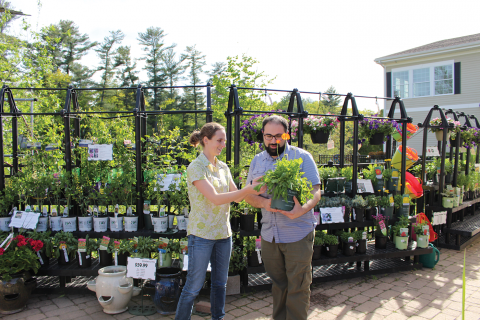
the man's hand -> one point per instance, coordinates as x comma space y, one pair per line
296, 212
266, 205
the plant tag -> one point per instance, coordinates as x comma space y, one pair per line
353, 214
54, 212
350, 239
426, 230
160, 259
185, 212
185, 262
129, 211
390, 198
146, 206
364, 236
95, 211
8, 240
404, 232
161, 212
80, 259
245, 211
259, 256
351, 247
44, 212
65, 212
115, 213
328, 248
378, 172
87, 257
65, 254
383, 228
357, 244
28, 208
403, 241
40, 257
116, 258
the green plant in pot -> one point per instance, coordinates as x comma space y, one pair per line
348, 243
317, 247
178, 195
237, 261
449, 197
376, 130
422, 234
386, 207
400, 231
65, 247
359, 205
398, 204
330, 243
347, 173
361, 237
165, 247
143, 247
286, 182
320, 127
372, 203
249, 250
48, 251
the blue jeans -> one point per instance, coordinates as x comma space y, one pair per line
200, 252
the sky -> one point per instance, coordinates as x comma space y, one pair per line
309, 45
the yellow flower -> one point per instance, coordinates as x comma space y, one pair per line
388, 160
386, 191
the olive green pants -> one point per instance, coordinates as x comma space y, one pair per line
289, 265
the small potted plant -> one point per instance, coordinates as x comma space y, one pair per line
66, 246
372, 203
126, 247
84, 251
399, 208
361, 237
381, 237
449, 198
349, 243
249, 250
401, 233
165, 247
247, 217
178, 198
376, 130
237, 262
359, 205
453, 128
79, 193
386, 207
105, 251
317, 247
320, 127
422, 234
347, 173
330, 244
144, 247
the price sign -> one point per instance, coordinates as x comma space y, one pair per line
140, 268
432, 152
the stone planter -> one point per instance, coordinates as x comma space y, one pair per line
116, 224
100, 224
166, 291
160, 224
85, 224
56, 223
42, 224
69, 224
4, 222
131, 224
114, 290
14, 293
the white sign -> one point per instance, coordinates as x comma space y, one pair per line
140, 268
165, 180
332, 215
364, 186
25, 220
439, 218
432, 152
330, 144
100, 152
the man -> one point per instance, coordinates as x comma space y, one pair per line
287, 237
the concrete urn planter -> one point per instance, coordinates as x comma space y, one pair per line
114, 290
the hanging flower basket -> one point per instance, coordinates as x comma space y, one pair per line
320, 136
377, 130
439, 135
376, 139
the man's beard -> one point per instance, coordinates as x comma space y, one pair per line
275, 152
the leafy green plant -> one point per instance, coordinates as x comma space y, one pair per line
347, 173
178, 196
69, 240
418, 228
249, 245
387, 174
47, 240
371, 201
358, 235
383, 202
359, 202
330, 240
317, 241
345, 235
328, 172
144, 246
369, 173
402, 222
398, 201
237, 261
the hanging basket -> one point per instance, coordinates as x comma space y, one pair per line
320, 136
439, 135
376, 139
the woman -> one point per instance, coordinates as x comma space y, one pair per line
211, 190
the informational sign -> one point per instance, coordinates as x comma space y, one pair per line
332, 215
25, 220
83, 143
100, 152
439, 218
477, 167
364, 186
432, 152
330, 144
165, 180
140, 268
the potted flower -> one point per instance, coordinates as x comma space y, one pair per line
454, 128
249, 250
48, 251
317, 247
359, 205
372, 204
470, 137
285, 182
330, 244
320, 127
251, 129
348, 243
17, 259
66, 245
377, 130
386, 206
400, 230
84, 251
361, 237
165, 247
422, 234
381, 237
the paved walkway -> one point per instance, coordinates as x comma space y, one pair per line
424, 294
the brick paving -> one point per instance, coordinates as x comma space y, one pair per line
421, 294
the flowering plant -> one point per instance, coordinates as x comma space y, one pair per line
251, 130
19, 255
470, 137
313, 124
438, 122
381, 223
370, 127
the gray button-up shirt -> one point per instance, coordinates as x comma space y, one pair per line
274, 224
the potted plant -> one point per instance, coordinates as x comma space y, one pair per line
165, 247
453, 128
235, 212
124, 251
285, 182
7, 199
79, 192
381, 237
386, 207
449, 198
349, 243
330, 244
247, 216
359, 205
398, 204
371, 210
422, 234
178, 198
361, 237
84, 251
17, 261
249, 250
347, 173
237, 262
66, 246
143, 247
319, 127
106, 247
317, 247
48, 251
401, 233
376, 130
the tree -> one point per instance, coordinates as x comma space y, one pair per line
334, 101
172, 68
8, 15
107, 54
152, 42
195, 63
127, 74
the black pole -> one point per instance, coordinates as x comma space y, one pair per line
66, 123
138, 154
209, 103
2, 158
228, 114
13, 109
237, 113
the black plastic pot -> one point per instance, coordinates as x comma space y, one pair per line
376, 139
61, 259
105, 258
317, 252
147, 221
331, 250
387, 212
320, 137
252, 259
362, 246
401, 212
349, 248
281, 204
122, 258
359, 214
234, 223
381, 242
448, 178
392, 184
247, 222
346, 216
348, 187
85, 262
369, 212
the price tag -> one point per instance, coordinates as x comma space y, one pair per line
65, 255
116, 258
185, 262
259, 256
432, 152
40, 257
80, 259
139, 268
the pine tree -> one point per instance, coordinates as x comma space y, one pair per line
127, 75
334, 100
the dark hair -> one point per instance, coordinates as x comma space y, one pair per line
208, 130
275, 119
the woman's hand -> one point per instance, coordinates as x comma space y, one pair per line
255, 183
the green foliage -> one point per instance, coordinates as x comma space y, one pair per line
398, 201
330, 240
237, 261
144, 246
383, 202
19, 257
372, 201
369, 173
418, 227
46, 238
317, 241
357, 235
178, 196
387, 174
249, 245
347, 173
359, 202
328, 172
345, 235
69, 240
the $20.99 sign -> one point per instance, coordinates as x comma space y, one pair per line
141, 268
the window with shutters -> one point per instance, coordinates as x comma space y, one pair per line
424, 80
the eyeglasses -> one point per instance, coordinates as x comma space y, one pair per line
269, 137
